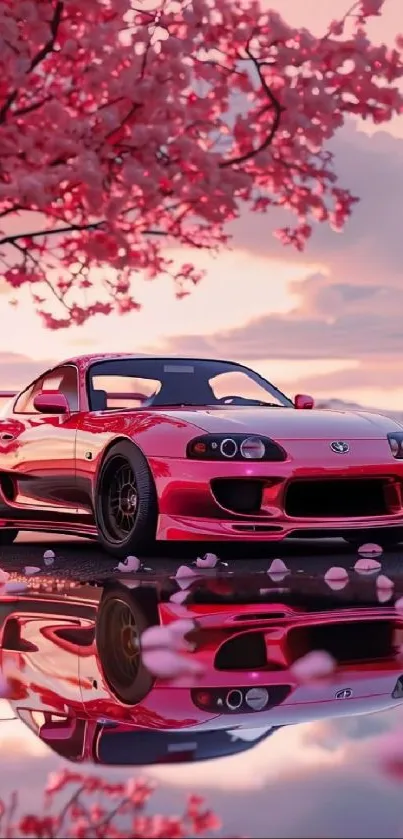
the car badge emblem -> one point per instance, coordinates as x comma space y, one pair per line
346, 693
339, 447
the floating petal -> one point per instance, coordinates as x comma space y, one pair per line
315, 665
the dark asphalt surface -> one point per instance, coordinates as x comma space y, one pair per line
83, 560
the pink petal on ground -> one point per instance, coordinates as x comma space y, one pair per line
278, 567
179, 597
315, 665
185, 576
207, 561
167, 664
384, 582
336, 573
399, 605
370, 549
384, 588
15, 586
337, 585
184, 571
4, 576
131, 563
366, 565
384, 594
49, 557
30, 570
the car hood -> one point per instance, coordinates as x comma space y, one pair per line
289, 423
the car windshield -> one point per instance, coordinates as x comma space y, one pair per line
161, 382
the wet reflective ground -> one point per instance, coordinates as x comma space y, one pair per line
271, 689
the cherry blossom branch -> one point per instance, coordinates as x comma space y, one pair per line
274, 104
46, 49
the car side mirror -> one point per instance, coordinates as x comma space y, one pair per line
51, 402
303, 402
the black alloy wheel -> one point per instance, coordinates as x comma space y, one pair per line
126, 506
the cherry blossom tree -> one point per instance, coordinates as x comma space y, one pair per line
129, 127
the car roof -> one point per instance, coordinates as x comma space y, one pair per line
93, 357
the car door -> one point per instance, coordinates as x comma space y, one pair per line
38, 450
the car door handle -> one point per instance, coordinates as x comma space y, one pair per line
7, 436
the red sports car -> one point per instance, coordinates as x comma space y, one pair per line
129, 449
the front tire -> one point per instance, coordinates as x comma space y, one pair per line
126, 508
7, 537
386, 538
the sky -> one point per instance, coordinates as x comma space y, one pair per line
325, 322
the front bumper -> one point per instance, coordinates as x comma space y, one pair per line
190, 510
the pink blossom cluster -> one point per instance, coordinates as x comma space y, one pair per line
98, 808
126, 128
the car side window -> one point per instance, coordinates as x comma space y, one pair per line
24, 403
64, 379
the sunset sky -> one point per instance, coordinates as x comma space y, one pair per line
326, 322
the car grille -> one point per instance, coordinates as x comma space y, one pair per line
334, 499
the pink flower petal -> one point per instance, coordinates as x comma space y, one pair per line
156, 636
370, 549
315, 665
179, 629
207, 561
384, 582
15, 586
168, 664
4, 576
366, 565
384, 594
30, 570
184, 571
179, 596
185, 576
336, 573
131, 563
337, 585
49, 557
278, 567
399, 606
168, 637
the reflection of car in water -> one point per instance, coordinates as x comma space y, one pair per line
78, 680
113, 744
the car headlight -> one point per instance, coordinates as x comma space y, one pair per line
234, 447
395, 439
